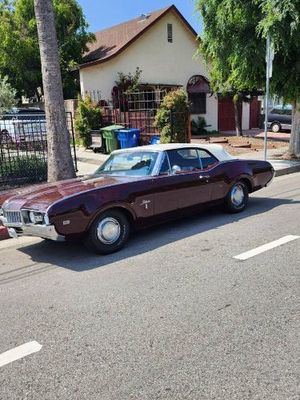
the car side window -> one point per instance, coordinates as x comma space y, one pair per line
184, 160
207, 159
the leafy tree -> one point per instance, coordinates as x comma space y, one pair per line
7, 95
280, 19
19, 51
60, 163
233, 49
234, 45
172, 117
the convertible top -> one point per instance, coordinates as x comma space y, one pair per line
215, 149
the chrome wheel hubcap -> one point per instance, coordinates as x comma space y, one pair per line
237, 195
108, 230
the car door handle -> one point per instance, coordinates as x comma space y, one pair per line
204, 177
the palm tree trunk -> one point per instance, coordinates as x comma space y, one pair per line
60, 163
294, 146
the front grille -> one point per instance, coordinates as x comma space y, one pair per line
13, 217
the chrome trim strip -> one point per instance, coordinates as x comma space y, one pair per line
158, 164
170, 169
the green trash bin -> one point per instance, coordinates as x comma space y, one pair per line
109, 133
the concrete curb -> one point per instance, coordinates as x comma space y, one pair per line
288, 170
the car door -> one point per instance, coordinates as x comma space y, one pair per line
215, 174
181, 182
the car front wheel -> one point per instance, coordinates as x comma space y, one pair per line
237, 198
108, 233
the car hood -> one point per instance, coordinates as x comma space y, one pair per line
40, 197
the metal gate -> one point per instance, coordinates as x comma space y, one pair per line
23, 149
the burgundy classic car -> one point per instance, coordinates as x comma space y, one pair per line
134, 188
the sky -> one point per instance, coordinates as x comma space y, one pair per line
104, 14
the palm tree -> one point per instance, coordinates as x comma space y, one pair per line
60, 163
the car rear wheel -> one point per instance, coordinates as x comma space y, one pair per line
108, 233
276, 127
237, 198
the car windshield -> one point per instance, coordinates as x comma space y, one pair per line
129, 163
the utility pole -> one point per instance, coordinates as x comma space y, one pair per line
269, 71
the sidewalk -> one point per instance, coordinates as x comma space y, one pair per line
259, 133
282, 167
88, 161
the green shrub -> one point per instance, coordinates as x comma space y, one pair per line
198, 126
28, 168
172, 118
88, 118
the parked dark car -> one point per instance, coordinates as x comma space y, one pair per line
25, 113
133, 189
23, 125
280, 118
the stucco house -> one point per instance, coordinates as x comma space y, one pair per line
163, 45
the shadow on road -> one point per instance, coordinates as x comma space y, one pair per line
75, 257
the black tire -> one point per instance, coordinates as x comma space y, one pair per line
108, 233
276, 127
237, 198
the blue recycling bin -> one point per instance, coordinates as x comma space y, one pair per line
155, 140
128, 138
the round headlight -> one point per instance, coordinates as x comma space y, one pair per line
32, 217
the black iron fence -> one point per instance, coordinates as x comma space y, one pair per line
23, 149
134, 110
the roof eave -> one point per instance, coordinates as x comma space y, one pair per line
171, 8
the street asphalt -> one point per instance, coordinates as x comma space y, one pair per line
172, 316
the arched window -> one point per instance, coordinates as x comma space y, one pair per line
197, 89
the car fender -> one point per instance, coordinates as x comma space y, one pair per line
115, 205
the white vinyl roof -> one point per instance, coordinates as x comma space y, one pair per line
215, 149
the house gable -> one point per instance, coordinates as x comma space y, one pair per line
161, 62
111, 42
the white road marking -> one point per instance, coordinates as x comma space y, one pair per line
266, 247
19, 352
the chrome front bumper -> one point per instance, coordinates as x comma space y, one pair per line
42, 231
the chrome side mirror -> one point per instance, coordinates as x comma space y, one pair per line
175, 169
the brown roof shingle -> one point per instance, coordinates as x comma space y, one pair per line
110, 42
